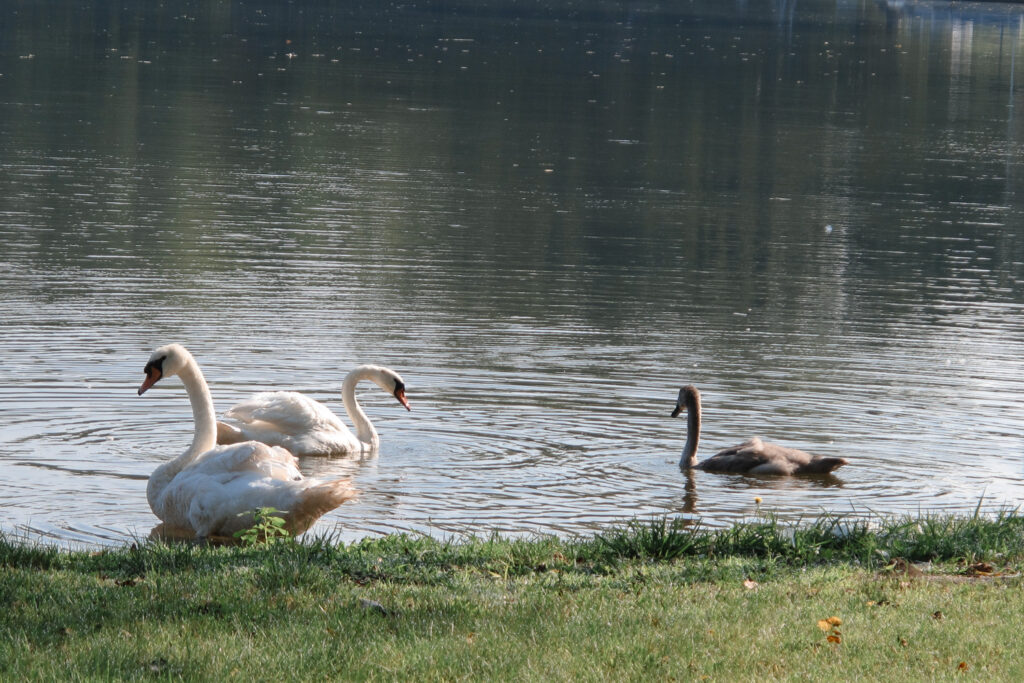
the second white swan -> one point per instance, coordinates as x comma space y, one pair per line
308, 427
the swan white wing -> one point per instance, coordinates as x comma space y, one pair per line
217, 494
222, 503
250, 457
288, 412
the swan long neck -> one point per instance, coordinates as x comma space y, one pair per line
204, 438
364, 428
689, 457
203, 413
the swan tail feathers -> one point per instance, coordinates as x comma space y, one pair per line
824, 465
317, 501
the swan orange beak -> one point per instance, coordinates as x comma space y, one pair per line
153, 376
400, 395
675, 413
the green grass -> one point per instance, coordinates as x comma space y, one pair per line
654, 600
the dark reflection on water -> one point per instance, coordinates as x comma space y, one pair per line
547, 218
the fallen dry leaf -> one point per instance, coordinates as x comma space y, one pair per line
834, 639
980, 569
962, 666
937, 615
749, 585
902, 566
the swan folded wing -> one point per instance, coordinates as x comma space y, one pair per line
250, 457
757, 457
221, 504
742, 458
285, 411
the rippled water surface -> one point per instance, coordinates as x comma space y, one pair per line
547, 220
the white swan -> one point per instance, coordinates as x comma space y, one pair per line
307, 427
750, 457
212, 490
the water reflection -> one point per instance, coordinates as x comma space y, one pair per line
546, 217
751, 488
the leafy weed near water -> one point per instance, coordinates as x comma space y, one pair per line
267, 528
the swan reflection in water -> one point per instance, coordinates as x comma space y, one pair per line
745, 483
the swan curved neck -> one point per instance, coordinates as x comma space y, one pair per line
364, 428
204, 439
689, 457
203, 414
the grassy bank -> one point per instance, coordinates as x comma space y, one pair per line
654, 600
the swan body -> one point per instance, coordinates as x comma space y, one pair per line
307, 427
750, 457
212, 490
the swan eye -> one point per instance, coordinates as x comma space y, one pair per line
157, 364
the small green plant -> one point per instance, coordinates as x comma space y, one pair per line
267, 527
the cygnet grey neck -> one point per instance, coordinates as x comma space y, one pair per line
689, 457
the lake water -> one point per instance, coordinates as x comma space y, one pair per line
547, 217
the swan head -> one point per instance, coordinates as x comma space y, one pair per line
164, 362
395, 386
689, 399
391, 382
